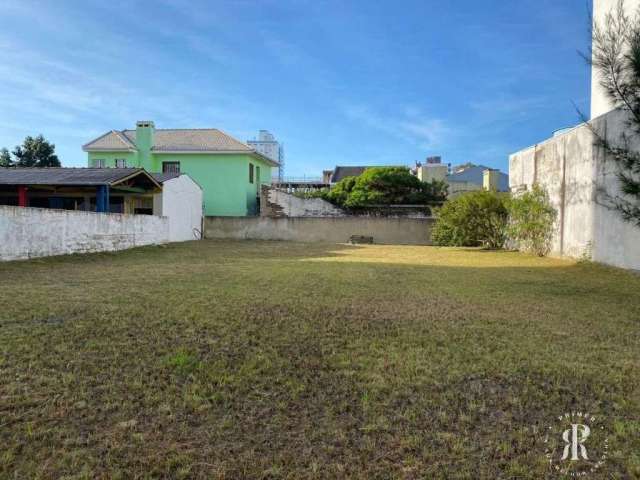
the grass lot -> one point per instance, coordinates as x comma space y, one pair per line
277, 360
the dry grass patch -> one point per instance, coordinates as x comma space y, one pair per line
280, 360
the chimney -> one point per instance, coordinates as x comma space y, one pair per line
490, 179
145, 130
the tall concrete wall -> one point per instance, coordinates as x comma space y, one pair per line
576, 175
400, 231
41, 232
600, 103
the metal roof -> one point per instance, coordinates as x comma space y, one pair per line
163, 177
69, 176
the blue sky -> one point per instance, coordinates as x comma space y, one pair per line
340, 82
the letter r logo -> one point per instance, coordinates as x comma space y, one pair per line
579, 434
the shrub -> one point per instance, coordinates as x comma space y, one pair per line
531, 221
315, 193
384, 186
341, 191
472, 219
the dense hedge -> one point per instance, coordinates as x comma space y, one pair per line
473, 219
488, 219
385, 186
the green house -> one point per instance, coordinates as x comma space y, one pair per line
229, 171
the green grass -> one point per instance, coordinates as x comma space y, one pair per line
279, 360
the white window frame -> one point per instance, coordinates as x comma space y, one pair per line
100, 162
121, 163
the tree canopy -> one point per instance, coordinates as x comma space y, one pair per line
5, 158
385, 186
34, 152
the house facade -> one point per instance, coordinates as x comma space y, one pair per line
228, 171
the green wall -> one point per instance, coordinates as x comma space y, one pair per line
110, 158
224, 178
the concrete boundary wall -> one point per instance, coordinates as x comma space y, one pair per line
42, 232
580, 181
400, 231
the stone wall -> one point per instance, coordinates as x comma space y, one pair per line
277, 203
576, 174
407, 231
41, 232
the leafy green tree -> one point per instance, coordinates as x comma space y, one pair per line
5, 158
340, 192
36, 152
531, 219
385, 186
615, 56
471, 220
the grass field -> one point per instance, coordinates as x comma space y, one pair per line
277, 360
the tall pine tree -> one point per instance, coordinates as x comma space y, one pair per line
616, 57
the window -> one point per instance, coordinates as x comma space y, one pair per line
99, 163
251, 173
121, 163
170, 167
258, 175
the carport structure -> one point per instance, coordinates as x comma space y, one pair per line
115, 190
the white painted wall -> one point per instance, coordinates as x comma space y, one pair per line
575, 173
600, 103
42, 232
429, 172
181, 202
289, 205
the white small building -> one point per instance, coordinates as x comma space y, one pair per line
182, 203
267, 145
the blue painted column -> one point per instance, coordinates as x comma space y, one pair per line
102, 199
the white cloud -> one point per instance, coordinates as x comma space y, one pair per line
410, 126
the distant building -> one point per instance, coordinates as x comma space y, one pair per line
469, 178
267, 145
432, 171
461, 178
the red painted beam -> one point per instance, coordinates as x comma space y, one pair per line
23, 200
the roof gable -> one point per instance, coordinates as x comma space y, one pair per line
112, 141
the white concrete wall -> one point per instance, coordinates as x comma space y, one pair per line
281, 203
429, 172
42, 232
575, 174
182, 203
600, 103
394, 231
